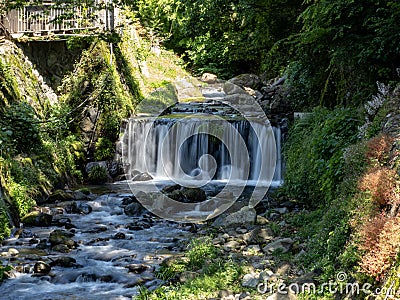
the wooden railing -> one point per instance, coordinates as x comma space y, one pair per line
46, 19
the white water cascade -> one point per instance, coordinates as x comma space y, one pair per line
173, 148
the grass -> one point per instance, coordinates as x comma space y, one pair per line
210, 271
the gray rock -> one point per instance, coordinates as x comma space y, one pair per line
245, 216
142, 177
250, 280
281, 296
231, 245
78, 195
247, 80
134, 209
83, 208
209, 78
176, 195
245, 101
41, 268
233, 89
64, 261
170, 188
76, 207
61, 237
139, 268
283, 245
281, 210
265, 275
114, 168
119, 236
61, 248
128, 200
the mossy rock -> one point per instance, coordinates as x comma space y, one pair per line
37, 219
59, 195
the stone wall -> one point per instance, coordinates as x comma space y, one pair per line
52, 59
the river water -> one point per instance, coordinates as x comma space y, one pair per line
111, 248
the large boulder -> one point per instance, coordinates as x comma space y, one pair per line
59, 195
244, 217
209, 78
142, 177
61, 239
37, 219
41, 268
247, 80
170, 188
134, 209
233, 89
193, 195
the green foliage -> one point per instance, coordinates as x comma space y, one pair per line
9, 91
79, 42
4, 226
19, 119
199, 251
314, 154
96, 83
97, 175
105, 149
21, 197
3, 272
214, 273
85, 191
344, 47
218, 36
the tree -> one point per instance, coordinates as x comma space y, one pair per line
225, 37
344, 47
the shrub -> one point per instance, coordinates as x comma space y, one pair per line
378, 148
105, 149
381, 243
314, 153
199, 251
4, 225
97, 175
21, 197
380, 182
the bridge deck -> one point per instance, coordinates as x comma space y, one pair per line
47, 19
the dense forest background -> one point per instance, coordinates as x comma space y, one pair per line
332, 52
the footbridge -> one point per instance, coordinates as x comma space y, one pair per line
50, 19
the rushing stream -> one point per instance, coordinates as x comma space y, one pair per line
115, 252
94, 247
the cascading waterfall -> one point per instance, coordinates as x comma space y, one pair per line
169, 148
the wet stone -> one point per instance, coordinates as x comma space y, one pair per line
139, 268
134, 209
61, 248
37, 219
138, 225
119, 236
41, 268
64, 261
129, 200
